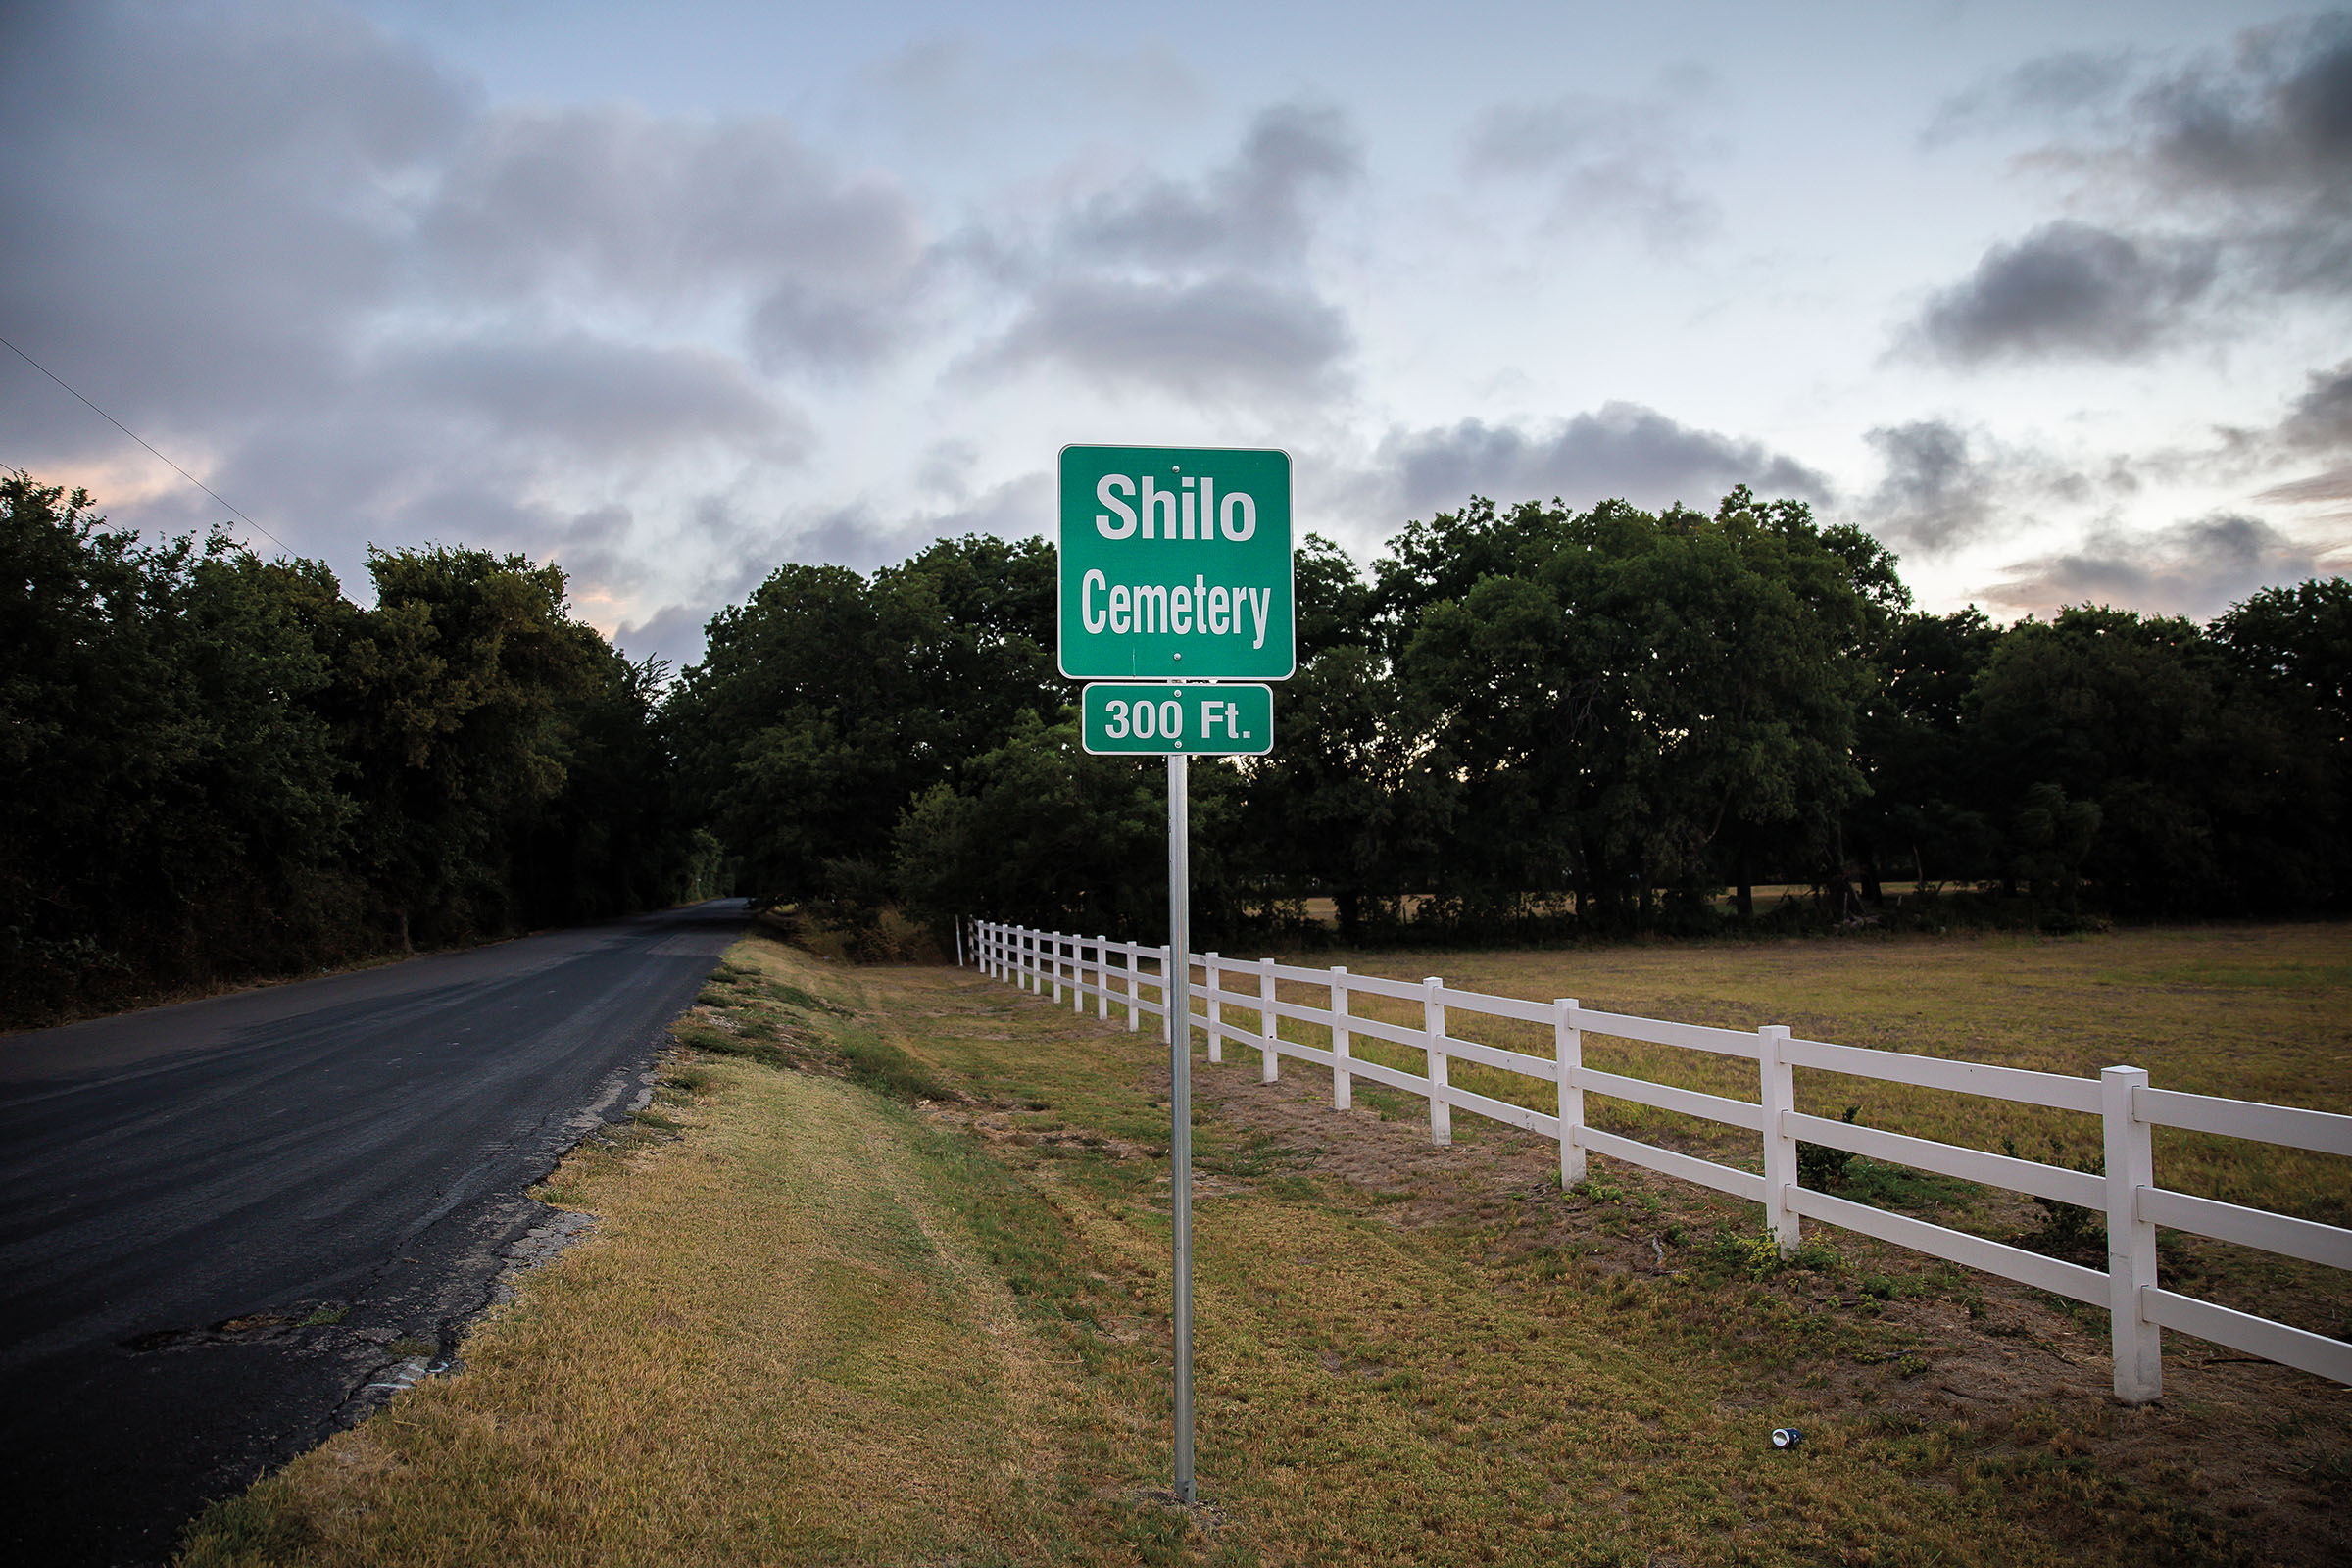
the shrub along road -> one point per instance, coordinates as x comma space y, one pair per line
229, 1224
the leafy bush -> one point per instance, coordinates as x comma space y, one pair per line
2067, 1230
1819, 1166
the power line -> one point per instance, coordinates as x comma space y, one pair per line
142, 440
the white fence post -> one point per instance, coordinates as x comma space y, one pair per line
1216, 1012
960, 941
1078, 974
2130, 1239
1342, 1082
1055, 939
1779, 1081
1135, 1016
1433, 1025
1167, 999
1269, 1059
1103, 973
1567, 1060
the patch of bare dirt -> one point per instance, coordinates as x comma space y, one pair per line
1020, 1128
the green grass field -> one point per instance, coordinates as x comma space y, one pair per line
883, 1279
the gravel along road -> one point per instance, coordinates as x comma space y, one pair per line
229, 1227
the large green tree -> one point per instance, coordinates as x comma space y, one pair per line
825, 703
173, 794
2205, 799
218, 766
1612, 702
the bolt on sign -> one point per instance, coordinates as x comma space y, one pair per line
1176, 563
1223, 721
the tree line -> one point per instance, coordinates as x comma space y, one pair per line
219, 766
1532, 722
1541, 721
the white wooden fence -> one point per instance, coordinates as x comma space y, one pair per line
1116, 972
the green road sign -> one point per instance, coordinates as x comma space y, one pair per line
1176, 563
1196, 720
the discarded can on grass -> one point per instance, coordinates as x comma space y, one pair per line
1786, 1437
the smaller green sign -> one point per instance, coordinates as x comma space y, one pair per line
1198, 721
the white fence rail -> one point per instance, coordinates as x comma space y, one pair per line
1135, 978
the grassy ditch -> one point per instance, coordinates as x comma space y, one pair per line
883, 1278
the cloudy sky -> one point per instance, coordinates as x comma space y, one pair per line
2057, 300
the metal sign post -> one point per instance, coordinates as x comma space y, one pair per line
1180, 1099
1176, 580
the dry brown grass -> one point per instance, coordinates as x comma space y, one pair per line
2251, 1013
823, 1327
777, 1346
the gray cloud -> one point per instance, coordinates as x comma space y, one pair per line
2066, 88
2263, 144
1197, 288
195, 240
321, 271
2318, 489
969, 93
2192, 568
2068, 287
594, 395
1224, 336
2244, 156
1259, 208
2278, 115
1615, 160
863, 537
797, 326
1946, 487
1938, 494
606, 199
1623, 450
2322, 417
2320, 424
675, 632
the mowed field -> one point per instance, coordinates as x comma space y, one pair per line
882, 1277
2252, 1012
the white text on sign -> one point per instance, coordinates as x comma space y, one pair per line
1164, 720
1184, 513
1200, 611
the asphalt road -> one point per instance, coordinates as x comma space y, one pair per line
229, 1227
